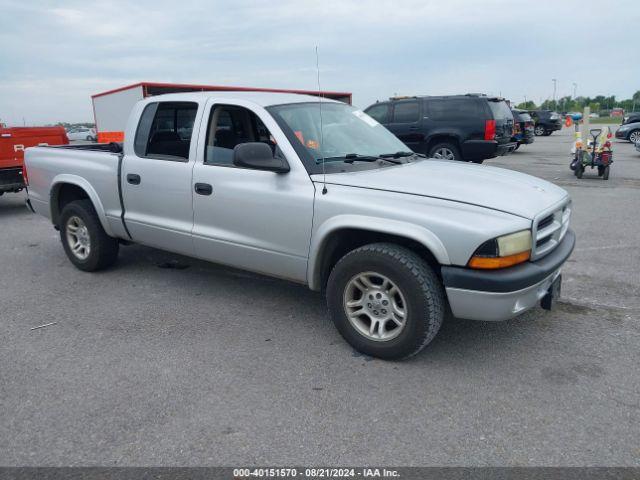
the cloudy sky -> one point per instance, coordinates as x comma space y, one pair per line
54, 55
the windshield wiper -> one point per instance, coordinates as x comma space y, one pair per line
401, 155
355, 157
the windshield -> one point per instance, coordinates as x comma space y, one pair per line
345, 131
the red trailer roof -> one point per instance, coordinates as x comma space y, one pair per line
156, 88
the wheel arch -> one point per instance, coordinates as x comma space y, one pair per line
344, 233
438, 137
67, 188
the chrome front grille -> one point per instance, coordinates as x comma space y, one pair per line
549, 228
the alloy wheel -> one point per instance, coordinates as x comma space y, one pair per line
375, 306
78, 237
444, 153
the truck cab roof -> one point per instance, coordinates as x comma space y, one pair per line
263, 99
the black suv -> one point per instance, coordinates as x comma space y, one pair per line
468, 127
633, 117
546, 122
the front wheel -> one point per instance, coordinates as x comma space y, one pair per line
634, 137
385, 300
84, 240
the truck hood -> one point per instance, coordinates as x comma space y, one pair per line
481, 185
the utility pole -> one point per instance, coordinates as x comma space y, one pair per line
575, 90
555, 84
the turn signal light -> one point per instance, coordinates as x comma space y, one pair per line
492, 263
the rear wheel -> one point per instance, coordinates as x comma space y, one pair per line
445, 151
385, 300
539, 130
84, 240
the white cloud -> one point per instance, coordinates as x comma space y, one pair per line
55, 55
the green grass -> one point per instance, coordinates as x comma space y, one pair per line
606, 120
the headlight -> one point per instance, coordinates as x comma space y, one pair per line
502, 252
623, 128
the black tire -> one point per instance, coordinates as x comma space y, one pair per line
538, 130
445, 145
420, 286
605, 173
88, 139
103, 251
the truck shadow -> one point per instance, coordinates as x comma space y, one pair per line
12, 205
457, 342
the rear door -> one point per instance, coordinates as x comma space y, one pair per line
156, 177
504, 120
406, 122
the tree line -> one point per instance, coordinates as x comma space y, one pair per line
598, 104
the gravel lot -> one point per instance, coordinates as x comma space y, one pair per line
204, 365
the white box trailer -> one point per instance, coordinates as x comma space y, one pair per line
111, 109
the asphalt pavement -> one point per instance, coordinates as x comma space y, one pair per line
167, 360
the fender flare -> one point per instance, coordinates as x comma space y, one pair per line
80, 182
411, 231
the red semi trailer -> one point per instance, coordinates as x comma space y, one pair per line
13, 142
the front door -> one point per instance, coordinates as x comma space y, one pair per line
252, 219
406, 123
156, 177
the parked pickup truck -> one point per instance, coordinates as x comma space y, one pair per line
319, 193
13, 142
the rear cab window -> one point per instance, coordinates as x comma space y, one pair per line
165, 130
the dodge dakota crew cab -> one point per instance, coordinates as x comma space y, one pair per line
316, 192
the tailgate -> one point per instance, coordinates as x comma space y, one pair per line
504, 120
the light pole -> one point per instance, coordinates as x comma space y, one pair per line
575, 89
555, 84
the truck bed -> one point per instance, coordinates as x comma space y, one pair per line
93, 167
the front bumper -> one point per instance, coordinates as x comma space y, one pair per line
622, 134
503, 294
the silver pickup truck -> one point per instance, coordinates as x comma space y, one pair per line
316, 192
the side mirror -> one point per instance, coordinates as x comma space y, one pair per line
258, 156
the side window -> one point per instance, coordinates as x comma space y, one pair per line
379, 112
453, 108
230, 126
406, 112
165, 130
